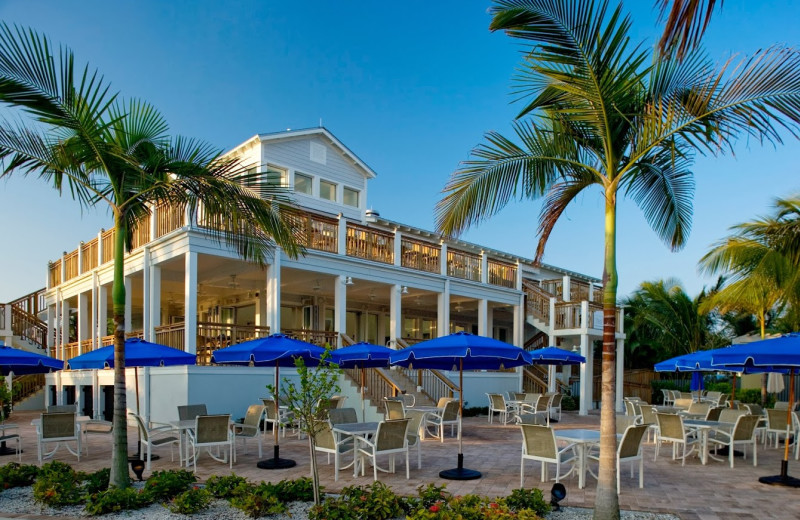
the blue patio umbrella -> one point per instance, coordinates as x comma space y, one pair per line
555, 356
138, 353
769, 355
362, 355
275, 350
461, 351
697, 382
22, 362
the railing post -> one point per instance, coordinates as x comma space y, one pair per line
64, 267
83, 322
80, 258
100, 247
566, 290
443, 264
398, 247
484, 268
153, 221
342, 238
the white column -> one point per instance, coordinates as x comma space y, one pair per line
489, 319
95, 337
340, 308
63, 267
190, 302
565, 289
518, 279
100, 247
51, 329
80, 258
64, 324
620, 374
147, 325
102, 312
443, 310
551, 327
96, 395
519, 322
586, 376
128, 304
83, 319
155, 299
395, 315
398, 249
484, 267
342, 239
443, 264
273, 296
551, 378
483, 319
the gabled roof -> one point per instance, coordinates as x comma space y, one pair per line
321, 132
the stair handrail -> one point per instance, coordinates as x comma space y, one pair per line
36, 299
377, 385
537, 301
537, 341
26, 385
28, 326
530, 379
346, 340
433, 383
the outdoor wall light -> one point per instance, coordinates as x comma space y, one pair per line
404, 290
557, 494
348, 280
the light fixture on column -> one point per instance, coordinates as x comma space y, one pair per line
404, 290
576, 348
348, 280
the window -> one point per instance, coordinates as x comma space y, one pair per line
302, 183
350, 197
327, 190
276, 176
251, 177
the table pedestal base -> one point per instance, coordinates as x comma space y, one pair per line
783, 479
276, 462
5, 450
460, 473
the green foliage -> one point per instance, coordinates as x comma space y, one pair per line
5, 399
115, 499
432, 494
96, 482
191, 501
257, 501
18, 475
568, 403
226, 486
720, 386
165, 485
332, 509
299, 490
753, 396
472, 507
532, 499
57, 485
374, 502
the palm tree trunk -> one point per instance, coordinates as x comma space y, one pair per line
606, 506
119, 456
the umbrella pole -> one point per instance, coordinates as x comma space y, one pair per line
784, 479
138, 455
276, 462
460, 472
363, 382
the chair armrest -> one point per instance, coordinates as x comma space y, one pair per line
8, 426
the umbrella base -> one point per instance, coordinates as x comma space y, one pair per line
460, 473
276, 462
783, 479
5, 450
723, 452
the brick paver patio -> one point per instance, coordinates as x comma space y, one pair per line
694, 491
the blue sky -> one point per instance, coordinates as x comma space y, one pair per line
410, 87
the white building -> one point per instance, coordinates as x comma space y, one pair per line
364, 278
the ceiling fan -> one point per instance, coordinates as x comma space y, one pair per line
233, 284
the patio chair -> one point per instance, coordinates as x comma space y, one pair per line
682, 403
498, 405
796, 428
671, 429
154, 437
697, 410
539, 443
781, 405
394, 409
649, 418
212, 431
623, 421
280, 421
761, 428
630, 408
714, 413
95, 427
628, 450
58, 427
442, 402
326, 442
10, 432
531, 398
342, 416
409, 400
450, 415
415, 418
555, 405
390, 439
776, 424
743, 433
63, 408
517, 396
666, 396
251, 427
190, 411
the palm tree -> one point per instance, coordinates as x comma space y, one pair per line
685, 22
602, 112
79, 136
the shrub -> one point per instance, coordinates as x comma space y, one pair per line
332, 509
300, 490
116, 499
165, 485
568, 403
532, 499
753, 396
18, 475
57, 485
374, 502
432, 494
96, 482
191, 501
257, 501
226, 486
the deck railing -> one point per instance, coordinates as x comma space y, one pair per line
537, 301
419, 255
502, 274
554, 287
461, 264
141, 233
168, 219
377, 385
315, 232
71, 265
317, 337
26, 385
89, 255
370, 244
54, 273
107, 238
28, 327
568, 315
578, 290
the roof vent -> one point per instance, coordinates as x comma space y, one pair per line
371, 215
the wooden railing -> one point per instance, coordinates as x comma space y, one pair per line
369, 244
315, 232
26, 385
419, 255
434, 384
377, 385
595, 318
54, 273
568, 315
502, 274
532, 383
32, 303
317, 337
107, 238
537, 301
141, 233
578, 290
71, 349
28, 327
554, 287
89, 255
461, 264
168, 219
71, 265
537, 341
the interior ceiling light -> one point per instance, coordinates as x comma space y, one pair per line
233, 284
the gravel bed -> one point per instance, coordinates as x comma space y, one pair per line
20, 500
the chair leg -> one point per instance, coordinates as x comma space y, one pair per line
641, 472
522, 474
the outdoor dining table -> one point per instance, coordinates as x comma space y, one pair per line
704, 428
583, 439
357, 431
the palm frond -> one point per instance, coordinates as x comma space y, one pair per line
685, 23
561, 194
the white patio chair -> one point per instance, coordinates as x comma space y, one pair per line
56, 428
449, 416
672, 430
326, 442
415, 418
251, 427
212, 431
10, 432
95, 427
776, 424
555, 405
628, 450
539, 443
394, 409
155, 436
743, 433
498, 405
390, 439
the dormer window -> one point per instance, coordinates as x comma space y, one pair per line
327, 190
350, 197
302, 183
276, 176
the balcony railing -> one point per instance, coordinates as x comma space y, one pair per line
141, 233
89, 255
317, 337
315, 232
461, 264
578, 290
369, 244
168, 219
107, 239
419, 255
71, 265
54, 273
502, 274
537, 301
554, 287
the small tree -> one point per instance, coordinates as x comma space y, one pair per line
5, 399
315, 384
